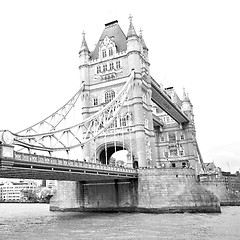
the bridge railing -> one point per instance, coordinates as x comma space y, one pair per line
26, 157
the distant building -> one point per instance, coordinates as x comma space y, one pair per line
213, 173
12, 191
232, 181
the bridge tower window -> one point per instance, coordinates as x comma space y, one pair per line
182, 137
104, 67
111, 66
98, 69
109, 96
95, 101
104, 53
118, 65
110, 51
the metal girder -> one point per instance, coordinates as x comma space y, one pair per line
77, 135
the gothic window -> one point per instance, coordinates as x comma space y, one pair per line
98, 69
104, 53
111, 66
95, 101
104, 67
123, 122
118, 65
109, 96
110, 51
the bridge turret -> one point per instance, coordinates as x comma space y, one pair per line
84, 56
133, 48
144, 47
187, 106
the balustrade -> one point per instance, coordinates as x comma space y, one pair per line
68, 162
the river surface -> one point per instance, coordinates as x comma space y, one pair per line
36, 222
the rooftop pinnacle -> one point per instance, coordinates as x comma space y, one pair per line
84, 46
131, 29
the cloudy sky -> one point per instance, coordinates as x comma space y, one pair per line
192, 44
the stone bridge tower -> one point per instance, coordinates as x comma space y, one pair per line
104, 72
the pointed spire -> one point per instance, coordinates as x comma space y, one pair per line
131, 29
185, 95
84, 46
142, 40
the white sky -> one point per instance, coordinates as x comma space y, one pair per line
192, 44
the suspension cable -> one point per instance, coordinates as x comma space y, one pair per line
130, 132
105, 148
114, 134
121, 120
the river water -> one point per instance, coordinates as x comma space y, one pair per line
36, 222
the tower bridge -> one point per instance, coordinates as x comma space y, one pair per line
122, 108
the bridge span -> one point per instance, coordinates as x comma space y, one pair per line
30, 166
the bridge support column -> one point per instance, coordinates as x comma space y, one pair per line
69, 197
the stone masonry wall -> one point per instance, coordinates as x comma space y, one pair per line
107, 197
67, 198
219, 189
173, 190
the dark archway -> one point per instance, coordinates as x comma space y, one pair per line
104, 156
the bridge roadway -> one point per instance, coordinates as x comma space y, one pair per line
30, 166
162, 100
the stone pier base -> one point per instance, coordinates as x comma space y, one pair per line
156, 191
173, 191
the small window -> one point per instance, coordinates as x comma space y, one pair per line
162, 139
123, 122
184, 165
109, 96
110, 51
118, 65
182, 137
95, 101
104, 53
98, 69
173, 165
104, 67
111, 66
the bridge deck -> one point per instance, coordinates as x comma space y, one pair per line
31, 166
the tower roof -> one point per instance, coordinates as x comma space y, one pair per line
131, 29
84, 46
115, 33
142, 41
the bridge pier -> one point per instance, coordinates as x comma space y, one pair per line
112, 196
157, 190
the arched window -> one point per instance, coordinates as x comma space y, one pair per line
110, 51
104, 53
109, 96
